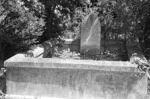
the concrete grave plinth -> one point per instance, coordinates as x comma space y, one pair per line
90, 35
73, 79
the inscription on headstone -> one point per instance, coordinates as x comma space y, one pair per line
90, 35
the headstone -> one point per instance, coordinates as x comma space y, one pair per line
90, 35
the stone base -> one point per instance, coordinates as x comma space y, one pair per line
75, 84
74, 79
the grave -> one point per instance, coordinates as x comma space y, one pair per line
90, 35
54, 78
44, 78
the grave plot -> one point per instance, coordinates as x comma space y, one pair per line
87, 75
90, 46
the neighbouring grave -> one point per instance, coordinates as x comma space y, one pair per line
44, 50
90, 35
43, 78
36, 52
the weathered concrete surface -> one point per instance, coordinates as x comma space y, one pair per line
74, 79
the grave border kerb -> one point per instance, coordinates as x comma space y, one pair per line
19, 61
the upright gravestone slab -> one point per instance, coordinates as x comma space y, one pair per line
90, 35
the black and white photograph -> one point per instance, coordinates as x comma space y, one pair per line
74, 49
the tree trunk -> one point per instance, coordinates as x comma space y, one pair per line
1, 56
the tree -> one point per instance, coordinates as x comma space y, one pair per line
20, 27
59, 15
119, 19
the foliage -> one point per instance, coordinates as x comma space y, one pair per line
122, 19
59, 17
22, 21
125, 19
67, 54
19, 27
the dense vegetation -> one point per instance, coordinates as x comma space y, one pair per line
19, 27
27, 22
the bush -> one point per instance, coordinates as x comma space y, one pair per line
19, 26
